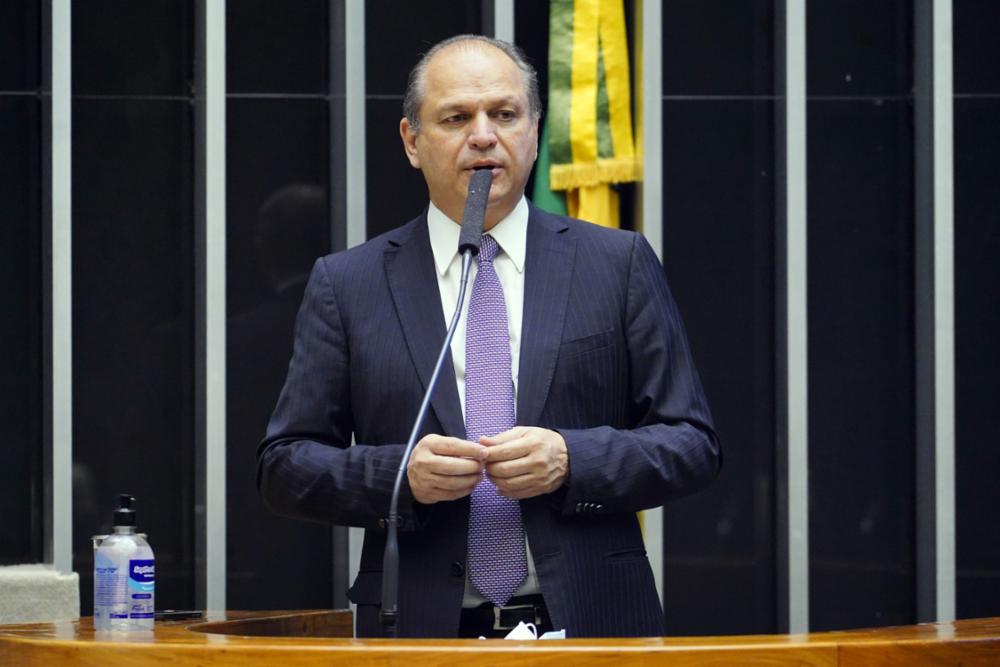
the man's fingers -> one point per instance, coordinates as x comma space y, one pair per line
522, 462
510, 468
509, 451
453, 482
451, 465
501, 438
444, 446
517, 487
443, 468
448, 494
526, 461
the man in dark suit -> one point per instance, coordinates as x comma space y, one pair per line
551, 426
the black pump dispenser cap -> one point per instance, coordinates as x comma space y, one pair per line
125, 515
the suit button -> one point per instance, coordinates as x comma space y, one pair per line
457, 569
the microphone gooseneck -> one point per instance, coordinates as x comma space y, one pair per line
473, 221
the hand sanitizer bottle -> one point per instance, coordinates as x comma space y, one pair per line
124, 576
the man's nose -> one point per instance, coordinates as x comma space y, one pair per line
482, 132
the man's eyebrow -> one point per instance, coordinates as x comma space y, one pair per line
452, 106
507, 100
463, 105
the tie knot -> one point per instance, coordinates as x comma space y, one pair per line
488, 248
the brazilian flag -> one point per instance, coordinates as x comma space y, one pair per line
587, 141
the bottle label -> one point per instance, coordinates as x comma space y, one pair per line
141, 580
109, 585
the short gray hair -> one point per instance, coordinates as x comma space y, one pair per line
415, 84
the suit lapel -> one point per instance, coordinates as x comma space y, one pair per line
409, 268
548, 272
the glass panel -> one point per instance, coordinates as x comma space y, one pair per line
133, 325
866, 47
278, 224
409, 32
122, 47
976, 46
397, 34
977, 356
21, 354
277, 47
531, 33
718, 47
861, 364
396, 191
719, 256
20, 45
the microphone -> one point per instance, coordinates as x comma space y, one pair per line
473, 220
474, 215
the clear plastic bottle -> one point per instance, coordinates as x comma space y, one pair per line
124, 576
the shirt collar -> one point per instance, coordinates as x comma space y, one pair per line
511, 235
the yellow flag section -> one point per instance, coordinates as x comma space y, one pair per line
590, 107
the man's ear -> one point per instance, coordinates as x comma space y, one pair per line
538, 136
409, 136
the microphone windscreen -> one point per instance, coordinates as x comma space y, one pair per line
474, 215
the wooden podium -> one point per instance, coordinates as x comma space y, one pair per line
294, 639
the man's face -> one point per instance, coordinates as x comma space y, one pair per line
475, 113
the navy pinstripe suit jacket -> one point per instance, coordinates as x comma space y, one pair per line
604, 360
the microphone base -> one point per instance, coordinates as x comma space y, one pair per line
388, 620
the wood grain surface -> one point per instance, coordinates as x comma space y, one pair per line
293, 639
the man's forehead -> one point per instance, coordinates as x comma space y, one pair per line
452, 61
469, 46
474, 70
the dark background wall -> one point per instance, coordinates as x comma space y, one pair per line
861, 314
280, 104
396, 191
133, 281
22, 95
134, 165
977, 293
719, 240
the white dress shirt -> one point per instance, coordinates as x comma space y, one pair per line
511, 234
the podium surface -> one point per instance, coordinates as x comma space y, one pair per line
292, 639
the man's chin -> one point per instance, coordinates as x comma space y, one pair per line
498, 187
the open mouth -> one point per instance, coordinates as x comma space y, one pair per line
485, 164
491, 166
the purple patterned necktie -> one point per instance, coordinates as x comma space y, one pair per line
497, 561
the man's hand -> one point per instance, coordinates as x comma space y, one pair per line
442, 468
526, 461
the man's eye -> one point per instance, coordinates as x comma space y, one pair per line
506, 114
455, 118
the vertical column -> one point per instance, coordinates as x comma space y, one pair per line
503, 20
649, 128
210, 317
649, 144
354, 94
59, 446
923, 163
934, 311
338, 71
792, 310
944, 312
